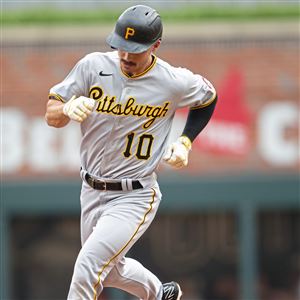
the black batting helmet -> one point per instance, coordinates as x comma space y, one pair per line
136, 30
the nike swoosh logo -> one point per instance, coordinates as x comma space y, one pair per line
104, 74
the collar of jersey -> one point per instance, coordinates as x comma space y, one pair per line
144, 72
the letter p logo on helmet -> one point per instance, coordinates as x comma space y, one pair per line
129, 32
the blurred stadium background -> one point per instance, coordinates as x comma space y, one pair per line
229, 224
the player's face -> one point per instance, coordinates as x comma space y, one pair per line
136, 63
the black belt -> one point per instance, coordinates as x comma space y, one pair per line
98, 184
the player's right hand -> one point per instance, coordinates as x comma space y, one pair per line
78, 109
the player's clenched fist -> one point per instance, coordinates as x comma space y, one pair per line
177, 153
78, 109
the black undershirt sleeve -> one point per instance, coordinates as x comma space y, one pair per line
197, 119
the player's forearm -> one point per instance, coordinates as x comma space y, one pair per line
198, 119
54, 114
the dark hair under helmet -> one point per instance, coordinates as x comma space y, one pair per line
136, 30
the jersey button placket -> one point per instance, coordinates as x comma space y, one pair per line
112, 138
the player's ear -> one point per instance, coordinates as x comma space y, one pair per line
156, 45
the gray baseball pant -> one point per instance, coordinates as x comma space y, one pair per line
111, 222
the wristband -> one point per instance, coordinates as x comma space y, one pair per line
185, 141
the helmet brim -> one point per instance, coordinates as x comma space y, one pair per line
117, 42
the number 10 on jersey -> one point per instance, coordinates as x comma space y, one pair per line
144, 145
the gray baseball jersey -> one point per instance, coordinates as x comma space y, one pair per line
133, 115
123, 139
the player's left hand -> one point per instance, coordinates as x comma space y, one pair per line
178, 152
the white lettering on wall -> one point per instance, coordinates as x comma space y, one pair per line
43, 153
30, 142
12, 139
273, 122
70, 139
226, 137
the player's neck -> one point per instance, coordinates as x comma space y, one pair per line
143, 68
147, 64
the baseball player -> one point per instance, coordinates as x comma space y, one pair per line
125, 101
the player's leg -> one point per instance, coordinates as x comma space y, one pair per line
123, 221
131, 276
91, 209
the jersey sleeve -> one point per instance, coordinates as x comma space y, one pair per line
198, 91
74, 84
